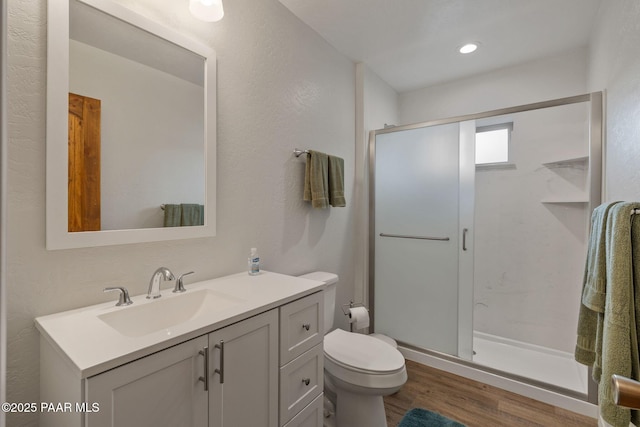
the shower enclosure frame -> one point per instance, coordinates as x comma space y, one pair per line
595, 186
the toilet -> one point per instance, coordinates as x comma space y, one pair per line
358, 369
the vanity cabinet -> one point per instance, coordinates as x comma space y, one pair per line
302, 361
168, 388
257, 368
311, 416
243, 369
136, 394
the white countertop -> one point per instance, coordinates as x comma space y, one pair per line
92, 346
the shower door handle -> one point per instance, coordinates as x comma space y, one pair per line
464, 238
405, 236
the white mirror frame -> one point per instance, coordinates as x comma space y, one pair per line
58, 236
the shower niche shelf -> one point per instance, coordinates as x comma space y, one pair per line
567, 200
579, 163
573, 162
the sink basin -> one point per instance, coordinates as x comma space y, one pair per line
157, 315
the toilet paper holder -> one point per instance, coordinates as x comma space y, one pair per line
351, 304
346, 307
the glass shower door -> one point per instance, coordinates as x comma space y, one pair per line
418, 236
524, 225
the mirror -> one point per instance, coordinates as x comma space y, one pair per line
130, 129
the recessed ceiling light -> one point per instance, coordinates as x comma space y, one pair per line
468, 48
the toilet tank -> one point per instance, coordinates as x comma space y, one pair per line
331, 280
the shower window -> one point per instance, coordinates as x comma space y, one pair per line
493, 144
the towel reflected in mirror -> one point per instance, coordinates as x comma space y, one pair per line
183, 215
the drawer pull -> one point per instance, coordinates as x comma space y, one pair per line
306, 326
306, 381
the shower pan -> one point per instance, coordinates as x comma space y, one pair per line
478, 261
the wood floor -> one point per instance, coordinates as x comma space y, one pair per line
472, 403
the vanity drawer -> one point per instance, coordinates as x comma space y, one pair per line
301, 381
301, 326
311, 416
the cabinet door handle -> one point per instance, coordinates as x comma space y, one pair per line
205, 379
306, 381
306, 326
221, 370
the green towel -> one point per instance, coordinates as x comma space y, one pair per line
192, 214
336, 182
316, 179
591, 317
635, 311
619, 336
172, 215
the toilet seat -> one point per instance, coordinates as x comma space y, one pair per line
354, 351
348, 357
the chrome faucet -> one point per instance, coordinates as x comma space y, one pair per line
124, 295
179, 285
154, 283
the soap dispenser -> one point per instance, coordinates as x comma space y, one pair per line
254, 262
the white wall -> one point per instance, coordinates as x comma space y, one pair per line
280, 86
615, 65
376, 105
152, 136
540, 80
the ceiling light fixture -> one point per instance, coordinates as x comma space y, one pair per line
206, 10
468, 48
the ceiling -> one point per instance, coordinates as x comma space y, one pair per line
109, 33
413, 43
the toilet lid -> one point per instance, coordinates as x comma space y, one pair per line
362, 352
